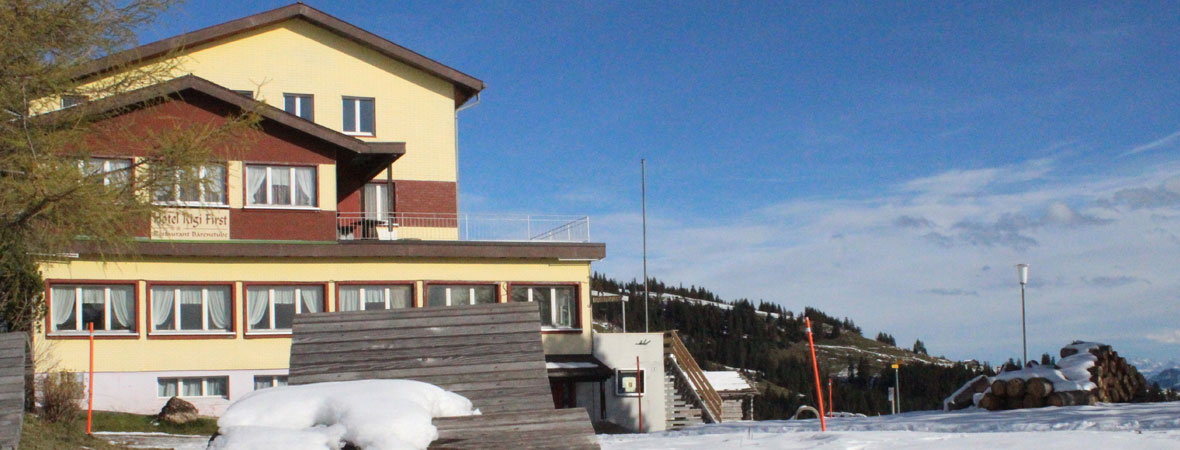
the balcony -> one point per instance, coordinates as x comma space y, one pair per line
353, 226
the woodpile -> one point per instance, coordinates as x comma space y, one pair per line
1099, 375
1117, 381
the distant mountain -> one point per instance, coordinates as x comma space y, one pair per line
1150, 367
1167, 378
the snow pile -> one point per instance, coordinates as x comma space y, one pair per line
370, 414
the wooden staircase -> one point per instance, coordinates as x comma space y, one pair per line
689, 398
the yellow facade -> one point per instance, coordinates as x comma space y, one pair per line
297, 57
153, 353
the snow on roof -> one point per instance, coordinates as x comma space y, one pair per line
727, 380
570, 365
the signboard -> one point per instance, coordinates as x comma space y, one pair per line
890, 393
191, 224
628, 383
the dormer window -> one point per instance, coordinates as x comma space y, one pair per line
358, 116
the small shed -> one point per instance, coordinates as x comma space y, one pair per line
737, 394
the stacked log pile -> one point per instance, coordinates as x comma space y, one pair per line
1099, 374
1117, 381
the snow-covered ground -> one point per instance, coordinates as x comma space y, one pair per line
1139, 426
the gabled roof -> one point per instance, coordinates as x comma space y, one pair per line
466, 86
191, 83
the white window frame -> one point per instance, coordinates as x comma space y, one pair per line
356, 111
387, 294
106, 167
176, 314
106, 309
383, 193
470, 292
315, 180
299, 105
553, 312
204, 386
270, 307
176, 201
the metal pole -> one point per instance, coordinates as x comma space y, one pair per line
1023, 327
643, 187
897, 386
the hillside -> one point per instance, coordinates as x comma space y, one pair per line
770, 344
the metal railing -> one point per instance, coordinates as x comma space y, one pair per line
464, 227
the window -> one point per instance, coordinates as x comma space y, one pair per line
269, 381
112, 170
377, 204
245, 93
280, 186
72, 100
109, 308
559, 305
193, 387
368, 298
442, 295
191, 308
628, 383
272, 308
358, 116
299, 105
202, 186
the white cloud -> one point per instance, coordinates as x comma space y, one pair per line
1166, 337
909, 261
1161, 142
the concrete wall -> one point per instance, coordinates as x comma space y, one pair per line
618, 351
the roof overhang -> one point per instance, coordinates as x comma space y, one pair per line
465, 85
577, 368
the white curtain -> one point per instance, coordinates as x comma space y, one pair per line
214, 184
374, 297
63, 306
192, 387
218, 303
312, 299
161, 306
399, 297
123, 305
350, 298
256, 185
564, 299
304, 186
280, 186
256, 304
167, 387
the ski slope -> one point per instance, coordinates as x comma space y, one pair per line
1138, 426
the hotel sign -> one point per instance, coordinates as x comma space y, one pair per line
191, 224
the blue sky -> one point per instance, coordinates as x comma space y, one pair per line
885, 161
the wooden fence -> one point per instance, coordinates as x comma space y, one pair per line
491, 354
12, 387
710, 400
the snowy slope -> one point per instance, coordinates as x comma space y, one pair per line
1140, 426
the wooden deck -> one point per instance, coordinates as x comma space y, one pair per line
12, 387
491, 354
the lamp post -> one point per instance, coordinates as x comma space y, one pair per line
1022, 272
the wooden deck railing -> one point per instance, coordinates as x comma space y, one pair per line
710, 400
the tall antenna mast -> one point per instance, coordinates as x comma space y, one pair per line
643, 187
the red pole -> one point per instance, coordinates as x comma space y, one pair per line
831, 404
819, 394
90, 391
639, 381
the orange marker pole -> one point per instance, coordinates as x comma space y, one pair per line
831, 404
819, 394
639, 380
90, 391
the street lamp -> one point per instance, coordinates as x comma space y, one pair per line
1022, 272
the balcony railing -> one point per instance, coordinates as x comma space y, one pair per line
464, 227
